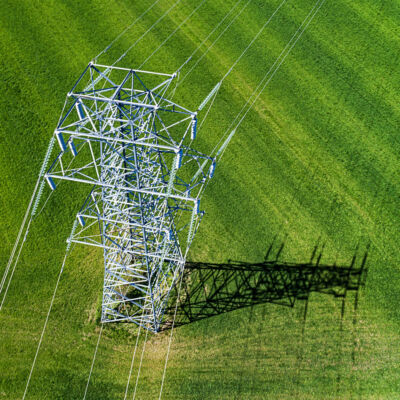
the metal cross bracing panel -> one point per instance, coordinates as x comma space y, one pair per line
121, 134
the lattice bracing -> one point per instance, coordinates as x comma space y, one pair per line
121, 134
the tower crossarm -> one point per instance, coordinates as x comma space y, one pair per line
128, 189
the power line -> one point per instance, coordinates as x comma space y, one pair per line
170, 336
125, 30
254, 39
93, 360
280, 63
32, 207
172, 34
148, 30
48, 313
15, 264
214, 42
140, 365
133, 357
231, 10
216, 88
272, 71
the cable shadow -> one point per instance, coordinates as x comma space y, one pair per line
210, 289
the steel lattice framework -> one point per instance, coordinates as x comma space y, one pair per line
121, 134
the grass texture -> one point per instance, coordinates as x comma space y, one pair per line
316, 162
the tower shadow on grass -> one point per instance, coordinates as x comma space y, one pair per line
210, 289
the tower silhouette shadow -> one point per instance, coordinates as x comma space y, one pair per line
210, 289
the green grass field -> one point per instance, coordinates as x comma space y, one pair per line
315, 162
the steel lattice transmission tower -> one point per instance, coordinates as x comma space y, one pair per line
121, 134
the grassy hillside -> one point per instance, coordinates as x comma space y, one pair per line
315, 163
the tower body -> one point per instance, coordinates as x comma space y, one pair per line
121, 134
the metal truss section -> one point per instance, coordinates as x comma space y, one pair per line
121, 134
